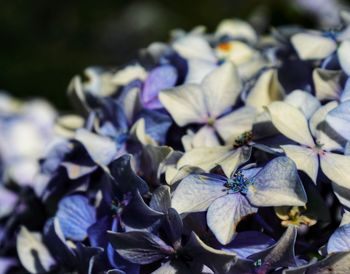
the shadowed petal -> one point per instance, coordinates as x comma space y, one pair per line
139, 247
279, 255
32, 253
246, 243
217, 260
101, 149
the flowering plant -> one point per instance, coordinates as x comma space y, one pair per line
214, 153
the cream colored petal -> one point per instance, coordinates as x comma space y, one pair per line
186, 104
221, 88
291, 122
305, 159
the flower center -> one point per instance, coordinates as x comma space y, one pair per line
243, 140
238, 183
318, 148
211, 121
294, 216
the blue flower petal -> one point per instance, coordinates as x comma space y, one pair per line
75, 215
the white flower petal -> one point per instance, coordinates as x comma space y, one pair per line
277, 184
339, 119
221, 88
194, 47
208, 158
336, 168
304, 158
313, 47
236, 123
303, 101
101, 149
266, 90
196, 192
319, 128
205, 137
197, 69
33, 253
327, 84
344, 56
290, 122
236, 29
185, 104
225, 213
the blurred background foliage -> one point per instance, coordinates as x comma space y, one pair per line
44, 43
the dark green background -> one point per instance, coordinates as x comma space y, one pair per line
44, 43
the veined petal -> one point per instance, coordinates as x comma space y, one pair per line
236, 123
218, 261
277, 184
313, 47
304, 158
75, 216
225, 213
196, 192
290, 122
340, 240
162, 77
185, 104
336, 168
303, 101
221, 88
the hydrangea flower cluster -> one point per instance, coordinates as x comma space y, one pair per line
215, 153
